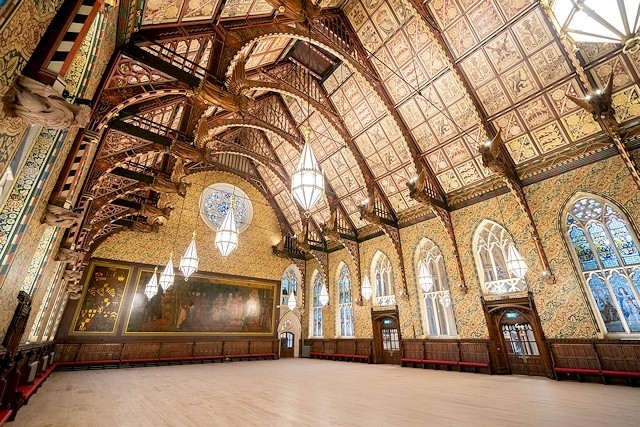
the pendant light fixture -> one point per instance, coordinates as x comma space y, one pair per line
292, 303
599, 21
324, 296
515, 263
307, 182
227, 235
425, 280
151, 289
167, 277
366, 291
190, 261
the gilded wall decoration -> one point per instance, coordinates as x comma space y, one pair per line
202, 304
254, 244
102, 298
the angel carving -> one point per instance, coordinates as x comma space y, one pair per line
188, 152
232, 99
329, 229
493, 157
599, 105
417, 186
163, 185
155, 215
40, 104
57, 216
68, 255
297, 10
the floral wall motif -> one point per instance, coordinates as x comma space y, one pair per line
252, 258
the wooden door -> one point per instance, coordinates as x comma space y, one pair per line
517, 342
386, 333
286, 344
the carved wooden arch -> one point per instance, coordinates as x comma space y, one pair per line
105, 200
109, 204
90, 240
326, 115
103, 123
319, 40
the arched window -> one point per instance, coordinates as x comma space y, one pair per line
383, 275
437, 308
501, 267
606, 250
317, 306
345, 301
289, 284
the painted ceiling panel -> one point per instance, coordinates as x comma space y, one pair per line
245, 8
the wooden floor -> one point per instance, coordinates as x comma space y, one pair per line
304, 392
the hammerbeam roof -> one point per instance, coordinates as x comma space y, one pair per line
414, 86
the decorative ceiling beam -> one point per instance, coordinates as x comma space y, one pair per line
138, 132
420, 162
136, 52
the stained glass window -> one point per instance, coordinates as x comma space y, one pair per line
494, 247
437, 308
317, 306
345, 301
289, 284
596, 226
215, 201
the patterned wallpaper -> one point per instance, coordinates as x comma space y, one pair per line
252, 258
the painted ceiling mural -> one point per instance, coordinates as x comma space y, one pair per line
389, 88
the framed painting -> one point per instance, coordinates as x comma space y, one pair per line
204, 305
102, 299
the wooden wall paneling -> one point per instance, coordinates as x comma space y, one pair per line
207, 348
88, 352
176, 349
141, 350
66, 352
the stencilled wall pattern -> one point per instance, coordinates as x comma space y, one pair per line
252, 258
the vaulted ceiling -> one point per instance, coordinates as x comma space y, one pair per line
389, 87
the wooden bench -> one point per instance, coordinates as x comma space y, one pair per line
5, 415
448, 363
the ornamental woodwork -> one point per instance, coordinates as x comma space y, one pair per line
420, 192
494, 158
599, 104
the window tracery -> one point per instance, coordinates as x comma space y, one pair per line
316, 329
383, 276
606, 250
345, 301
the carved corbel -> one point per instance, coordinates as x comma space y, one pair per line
38, 103
163, 185
68, 255
214, 94
494, 158
418, 192
156, 215
600, 106
143, 227
57, 216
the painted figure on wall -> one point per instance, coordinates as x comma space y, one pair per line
202, 305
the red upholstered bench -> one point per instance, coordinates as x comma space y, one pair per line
219, 356
440, 362
474, 364
579, 371
361, 357
263, 355
634, 374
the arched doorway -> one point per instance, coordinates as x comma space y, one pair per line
517, 340
386, 336
286, 344
290, 330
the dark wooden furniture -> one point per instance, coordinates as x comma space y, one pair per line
349, 350
471, 355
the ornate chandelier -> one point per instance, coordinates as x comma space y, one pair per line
167, 276
291, 302
189, 261
307, 182
366, 291
515, 263
600, 21
324, 296
227, 235
425, 280
151, 289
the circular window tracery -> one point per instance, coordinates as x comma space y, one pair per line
215, 201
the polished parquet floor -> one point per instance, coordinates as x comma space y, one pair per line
302, 392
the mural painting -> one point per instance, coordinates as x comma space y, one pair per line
204, 304
102, 299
